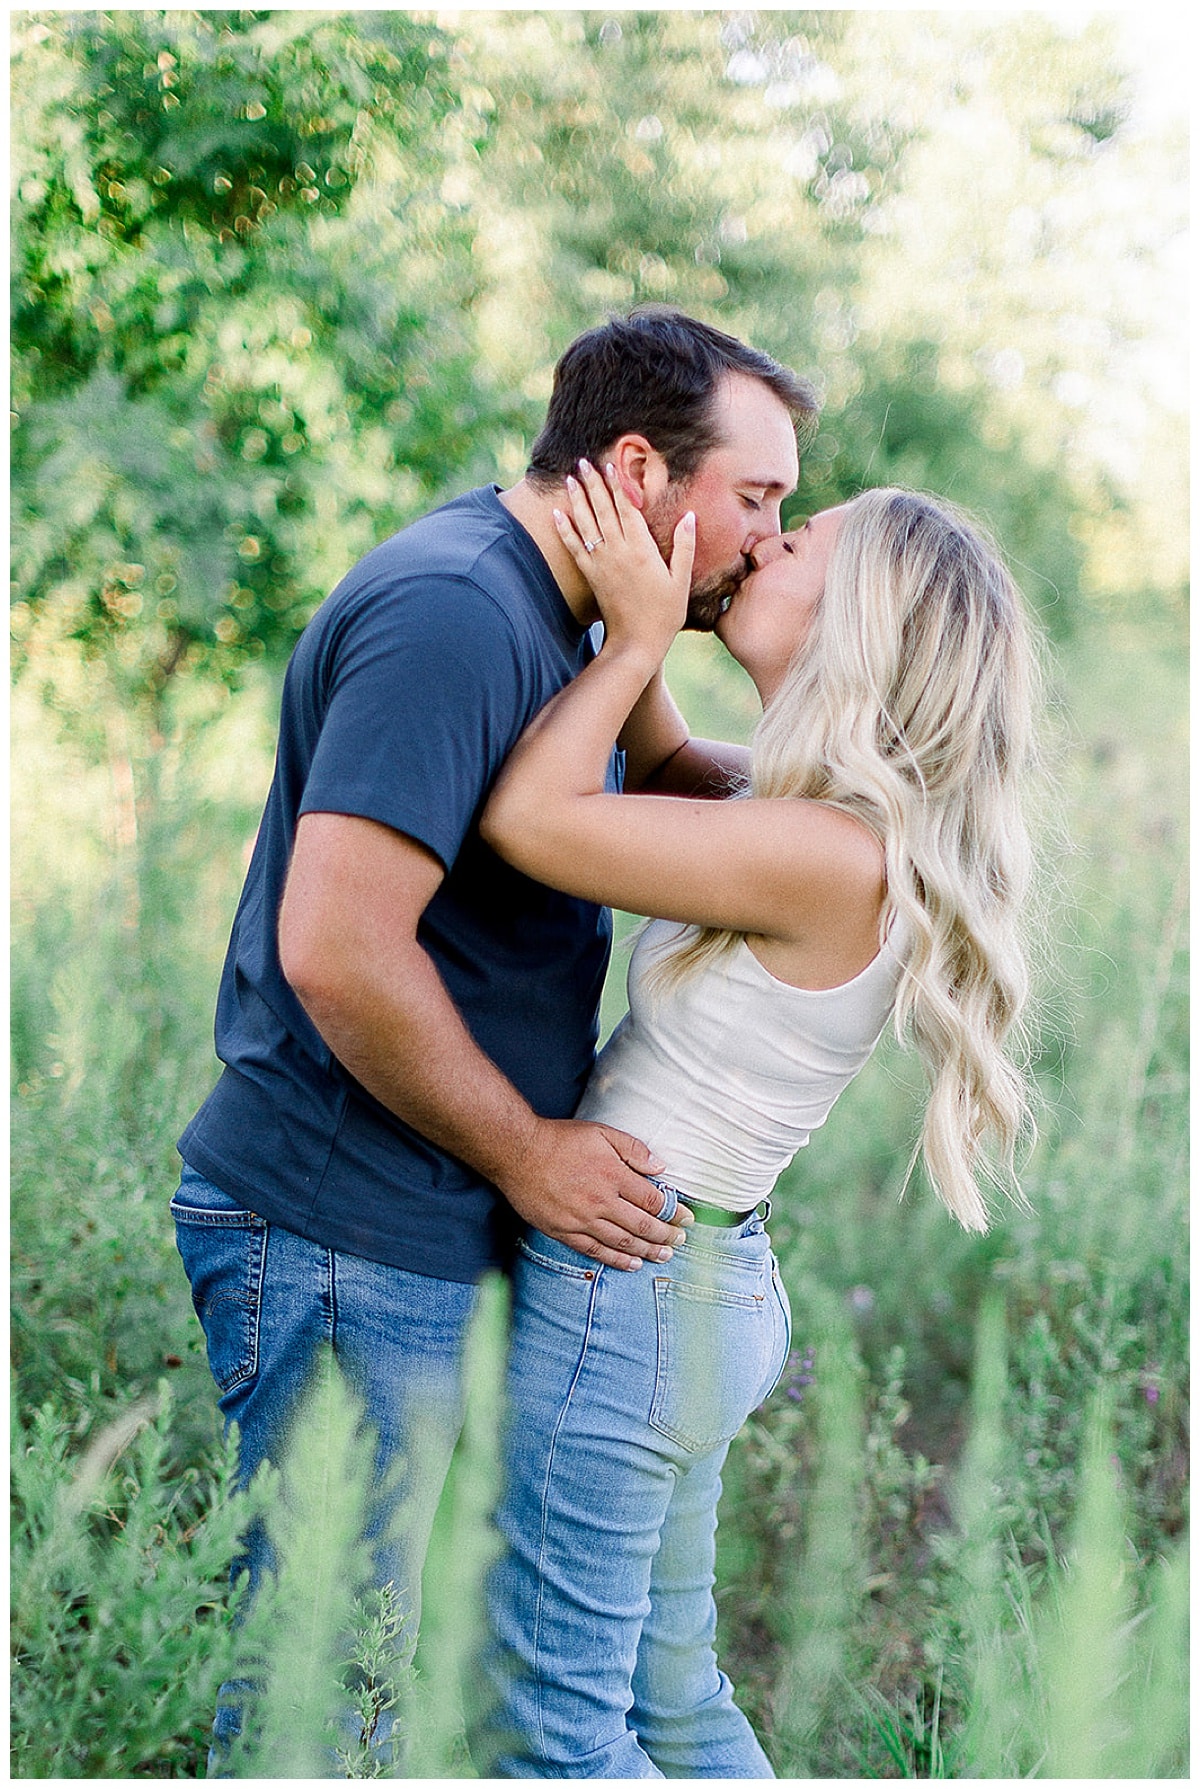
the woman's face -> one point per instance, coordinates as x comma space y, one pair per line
770, 616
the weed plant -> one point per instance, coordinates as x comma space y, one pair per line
951, 1544
121, 1614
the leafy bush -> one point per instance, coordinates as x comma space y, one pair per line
121, 1631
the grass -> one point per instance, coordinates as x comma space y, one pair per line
951, 1544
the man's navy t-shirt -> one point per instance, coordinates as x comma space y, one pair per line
403, 697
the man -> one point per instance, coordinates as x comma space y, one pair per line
407, 1024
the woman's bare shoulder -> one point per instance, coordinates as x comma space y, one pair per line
830, 931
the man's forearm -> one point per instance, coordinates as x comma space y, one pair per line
701, 767
400, 1035
583, 1183
663, 759
349, 949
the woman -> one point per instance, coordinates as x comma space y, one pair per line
876, 868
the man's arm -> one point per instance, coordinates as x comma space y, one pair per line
661, 757
348, 945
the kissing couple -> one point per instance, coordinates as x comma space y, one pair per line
479, 758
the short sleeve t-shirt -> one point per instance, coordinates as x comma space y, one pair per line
402, 699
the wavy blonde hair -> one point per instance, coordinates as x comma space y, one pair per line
911, 705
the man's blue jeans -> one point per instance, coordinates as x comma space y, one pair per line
267, 1300
625, 1389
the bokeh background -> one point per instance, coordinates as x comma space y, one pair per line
281, 281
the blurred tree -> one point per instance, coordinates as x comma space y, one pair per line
1007, 280
689, 158
241, 341
772, 171
283, 279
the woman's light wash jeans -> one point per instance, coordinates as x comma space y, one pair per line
626, 1389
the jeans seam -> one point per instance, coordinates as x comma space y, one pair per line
208, 1218
248, 1300
782, 1307
331, 1302
257, 1297
546, 1481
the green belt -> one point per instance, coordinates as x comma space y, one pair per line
714, 1214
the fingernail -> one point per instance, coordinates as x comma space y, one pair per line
558, 515
610, 472
585, 466
664, 1254
571, 484
689, 520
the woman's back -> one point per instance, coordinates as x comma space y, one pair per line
725, 1072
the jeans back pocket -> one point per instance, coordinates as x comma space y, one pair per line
223, 1249
714, 1349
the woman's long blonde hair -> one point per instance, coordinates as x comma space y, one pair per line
911, 704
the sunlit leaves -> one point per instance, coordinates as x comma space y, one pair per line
297, 275
225, 312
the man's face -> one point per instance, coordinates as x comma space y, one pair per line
736, 492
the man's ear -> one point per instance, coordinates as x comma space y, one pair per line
641, 469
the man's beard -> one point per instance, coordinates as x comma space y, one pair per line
708, 598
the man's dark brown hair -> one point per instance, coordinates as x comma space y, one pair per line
653, 373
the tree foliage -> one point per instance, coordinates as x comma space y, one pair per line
281, 280
239, 319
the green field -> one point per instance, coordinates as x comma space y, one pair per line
281, 281
914, 1576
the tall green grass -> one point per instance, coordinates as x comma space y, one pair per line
951, 1544
122, 1629
121, 1617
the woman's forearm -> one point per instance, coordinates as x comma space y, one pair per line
563, 757
564, 754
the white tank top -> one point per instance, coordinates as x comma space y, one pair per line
725, 1076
